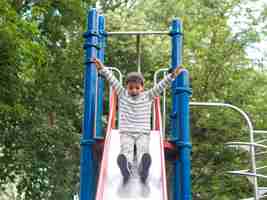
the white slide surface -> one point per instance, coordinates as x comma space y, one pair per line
111, 187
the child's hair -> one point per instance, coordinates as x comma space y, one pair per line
135, 77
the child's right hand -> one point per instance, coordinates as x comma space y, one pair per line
98, 64
176, 71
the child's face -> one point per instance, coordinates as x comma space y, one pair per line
134, 89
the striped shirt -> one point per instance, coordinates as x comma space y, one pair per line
135, 112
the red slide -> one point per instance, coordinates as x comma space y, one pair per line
110, 185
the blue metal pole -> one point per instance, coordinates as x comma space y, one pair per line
87, 178
183, 92
180, 120
101, 83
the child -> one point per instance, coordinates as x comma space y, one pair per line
135, 113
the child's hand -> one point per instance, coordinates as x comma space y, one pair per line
98, 64
176, 71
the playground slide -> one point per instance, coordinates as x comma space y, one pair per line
110, 179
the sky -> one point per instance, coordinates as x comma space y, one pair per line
257, 51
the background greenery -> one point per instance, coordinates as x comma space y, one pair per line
41, 87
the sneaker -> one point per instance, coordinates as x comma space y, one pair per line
144, 167
124, 167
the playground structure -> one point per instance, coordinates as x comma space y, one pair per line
106, 185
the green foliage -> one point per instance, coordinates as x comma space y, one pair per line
41, 87
41, 94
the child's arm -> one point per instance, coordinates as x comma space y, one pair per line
109, 76
164, 83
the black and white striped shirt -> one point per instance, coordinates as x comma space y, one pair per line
135, 112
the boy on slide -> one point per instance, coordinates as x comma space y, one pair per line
135, 118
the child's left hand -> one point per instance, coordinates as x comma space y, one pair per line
99, 65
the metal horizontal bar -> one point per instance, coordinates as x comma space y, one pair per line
261, 153
260, 131
246, 144
261, 141
247, 170
263, 167
262, 188
247, 174
139, 33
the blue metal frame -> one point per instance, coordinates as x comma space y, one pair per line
94, 47
180, 120
101, 83
87, 175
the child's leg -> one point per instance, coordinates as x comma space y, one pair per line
142, 146
127, 146
124, 167
143, 156
125, 156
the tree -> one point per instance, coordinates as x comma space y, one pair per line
220, 71
41, 87
41, 96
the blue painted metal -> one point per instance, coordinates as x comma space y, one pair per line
87, 178
180, 120
101, 83
183, 144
